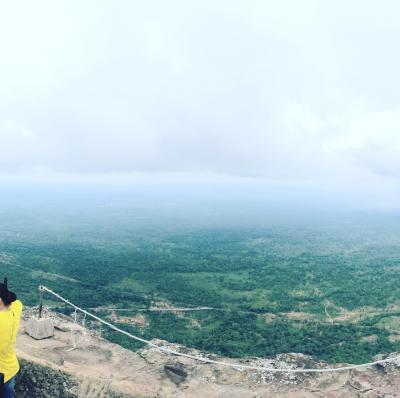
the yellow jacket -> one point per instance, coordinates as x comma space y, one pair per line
9, 324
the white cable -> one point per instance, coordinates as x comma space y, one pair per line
211, 361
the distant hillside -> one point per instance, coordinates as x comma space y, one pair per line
328, 291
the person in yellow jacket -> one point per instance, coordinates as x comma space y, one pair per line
10, 314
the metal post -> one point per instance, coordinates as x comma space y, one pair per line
40, 301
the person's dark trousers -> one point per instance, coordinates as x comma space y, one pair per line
7, 389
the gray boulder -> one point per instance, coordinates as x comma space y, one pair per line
40, 328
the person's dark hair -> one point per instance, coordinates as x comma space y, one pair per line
7, 296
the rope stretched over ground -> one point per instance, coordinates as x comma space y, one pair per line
211, 361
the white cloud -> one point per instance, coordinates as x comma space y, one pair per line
281, 90
20, 148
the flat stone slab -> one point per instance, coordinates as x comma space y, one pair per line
39, 328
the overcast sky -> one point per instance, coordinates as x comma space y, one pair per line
273, 90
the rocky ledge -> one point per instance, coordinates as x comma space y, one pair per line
91, 367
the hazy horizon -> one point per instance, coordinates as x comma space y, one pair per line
290, 99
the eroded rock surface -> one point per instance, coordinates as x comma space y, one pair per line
99, 369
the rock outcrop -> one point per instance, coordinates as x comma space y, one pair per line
94, 368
